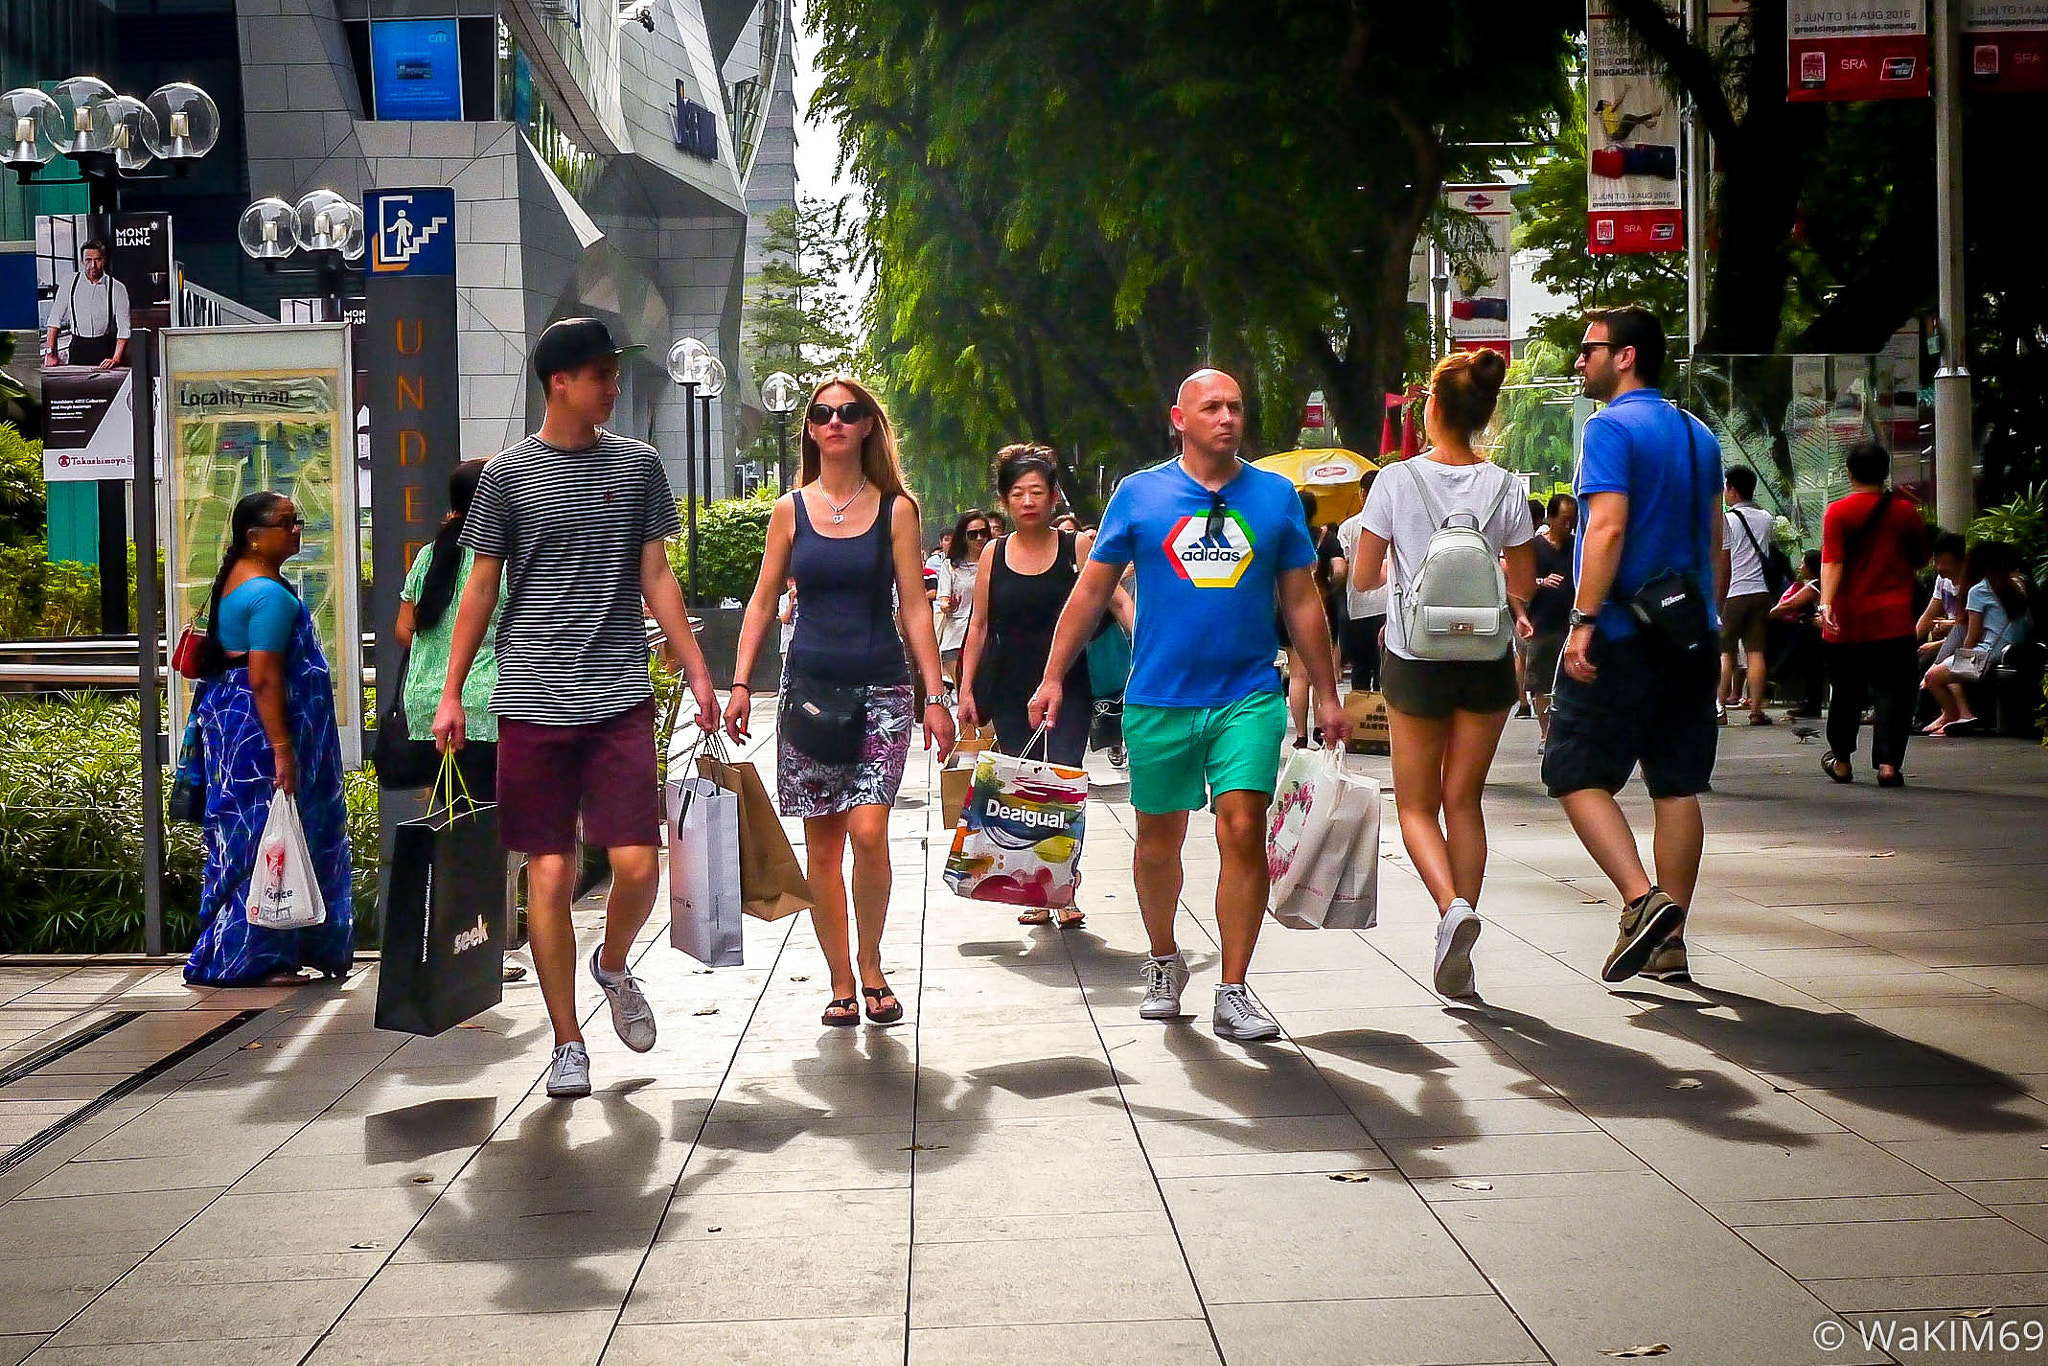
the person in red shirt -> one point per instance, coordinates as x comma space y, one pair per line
1873, 542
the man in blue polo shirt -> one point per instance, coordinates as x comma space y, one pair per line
1649, 501
1214, 541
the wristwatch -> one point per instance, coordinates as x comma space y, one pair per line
1579, 618
934, 700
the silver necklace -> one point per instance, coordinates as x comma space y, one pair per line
839, 509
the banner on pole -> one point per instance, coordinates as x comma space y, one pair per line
1856, 49
1478, 307
1633, 199
88, 423
266, 408
2006, 45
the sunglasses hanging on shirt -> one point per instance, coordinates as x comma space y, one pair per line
1219, 512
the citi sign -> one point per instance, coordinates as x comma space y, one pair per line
1206, 561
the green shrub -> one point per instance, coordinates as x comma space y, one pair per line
24, 500
732, 535
2022, 523
44, 597
71, 833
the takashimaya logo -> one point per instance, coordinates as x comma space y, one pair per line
1206, 561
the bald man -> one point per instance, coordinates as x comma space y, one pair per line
1215, 543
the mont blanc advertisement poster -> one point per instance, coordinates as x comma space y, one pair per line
1856, 49
1633, 199
88, 423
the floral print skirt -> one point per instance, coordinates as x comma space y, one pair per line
805, 787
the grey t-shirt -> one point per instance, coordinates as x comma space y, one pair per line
1395, 512
570, 526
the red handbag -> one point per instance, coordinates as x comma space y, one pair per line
187, 654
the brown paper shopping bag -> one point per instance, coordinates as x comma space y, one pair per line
772, 883
958, 775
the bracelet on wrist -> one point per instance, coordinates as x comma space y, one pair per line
741, 687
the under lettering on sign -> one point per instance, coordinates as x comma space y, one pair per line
412, 446
413, 389
419, 332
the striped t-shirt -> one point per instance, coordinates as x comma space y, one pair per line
570, 525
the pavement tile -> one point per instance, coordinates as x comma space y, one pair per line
1920, 1247
241, 1352
1167, 1342
314, 1221
82, 1225
1444, 1330
701, 1280
872, 1341
15, 1347
570, 1339
44, 1289
145, 1308
439, 1289
1053, 1282
1868, 1294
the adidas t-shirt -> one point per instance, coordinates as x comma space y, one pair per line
1205, 604
570, 526
1395, 512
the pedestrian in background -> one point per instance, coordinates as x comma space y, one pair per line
1873, 542
265, 709
846, 669
1445, 717
1328, 574
1797, 613
1365, 609
958, 574
1631, 691
1994, 616
1746, 615
1550, 610
426, 627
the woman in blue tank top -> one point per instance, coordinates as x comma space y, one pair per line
848, 537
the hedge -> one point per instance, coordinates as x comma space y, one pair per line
732, 535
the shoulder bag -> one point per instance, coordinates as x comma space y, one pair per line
1671, 606
403, 763
1777, 566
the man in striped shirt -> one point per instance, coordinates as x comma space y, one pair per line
575, 518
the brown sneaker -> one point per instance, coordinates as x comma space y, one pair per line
1645, 923
1667, 963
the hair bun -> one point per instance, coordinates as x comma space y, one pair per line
1489, 370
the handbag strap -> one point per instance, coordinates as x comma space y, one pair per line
1750, 536
449, 779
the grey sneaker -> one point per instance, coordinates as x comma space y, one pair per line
1645, 923
632, 1017
1239, 1015
1164, 978
1667, 963
569, 1071
1456, 933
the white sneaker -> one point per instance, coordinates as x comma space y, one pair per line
1164, 978
569, 1071
1455, 935
632, 1017
1239, 1015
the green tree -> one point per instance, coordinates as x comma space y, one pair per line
1532, 427
798, 319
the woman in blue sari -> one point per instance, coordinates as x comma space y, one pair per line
265, 715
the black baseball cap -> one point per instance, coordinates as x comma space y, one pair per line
573, 342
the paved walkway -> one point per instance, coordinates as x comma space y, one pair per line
1844, 1118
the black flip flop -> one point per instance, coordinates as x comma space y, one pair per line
882, 1017
1827, 765
845, 1021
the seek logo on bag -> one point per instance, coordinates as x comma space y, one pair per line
475, 937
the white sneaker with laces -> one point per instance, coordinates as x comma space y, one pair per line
1455, 935
1239, 1015
569, 1071
1164, 978
632, 1017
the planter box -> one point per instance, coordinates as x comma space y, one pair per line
720, 641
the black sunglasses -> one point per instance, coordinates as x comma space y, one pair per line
977, 533
850, 412
1218, 511
296, 523
1586, 349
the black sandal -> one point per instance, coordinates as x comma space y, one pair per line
849, 1016
1845, 774
882, 1017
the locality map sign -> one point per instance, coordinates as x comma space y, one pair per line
1633, 199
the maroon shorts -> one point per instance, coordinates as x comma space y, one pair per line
603, 770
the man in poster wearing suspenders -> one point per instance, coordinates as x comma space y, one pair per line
94, 305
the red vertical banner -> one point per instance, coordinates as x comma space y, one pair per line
1633, 199
2005, 45
1856, 49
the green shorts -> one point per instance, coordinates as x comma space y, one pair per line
1179, 755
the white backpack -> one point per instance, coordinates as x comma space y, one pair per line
1457, 607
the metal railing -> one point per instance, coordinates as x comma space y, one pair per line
199, 306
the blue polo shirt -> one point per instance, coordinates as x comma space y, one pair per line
1205, 603
1636, 445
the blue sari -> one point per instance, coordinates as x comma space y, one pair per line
240, 779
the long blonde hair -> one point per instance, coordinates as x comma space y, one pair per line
879, 460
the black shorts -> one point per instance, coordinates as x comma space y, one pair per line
1647, 707
1434, 688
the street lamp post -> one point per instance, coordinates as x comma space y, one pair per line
684, 361
111, 139
324, 226
710, 384
779, 396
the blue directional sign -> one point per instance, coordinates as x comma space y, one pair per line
412, 232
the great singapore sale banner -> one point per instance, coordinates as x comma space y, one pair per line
1633, 199
2005, 44
1856, 49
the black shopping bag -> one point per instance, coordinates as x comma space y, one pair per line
444, 922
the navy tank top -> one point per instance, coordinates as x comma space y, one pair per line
846, 603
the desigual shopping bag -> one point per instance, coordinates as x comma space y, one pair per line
704, 904
1019, 837
772, 883
443, 959
283, 893
1323, 845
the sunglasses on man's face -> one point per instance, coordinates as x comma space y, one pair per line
1586, 349
849, 412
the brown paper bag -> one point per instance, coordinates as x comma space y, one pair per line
772, 883
956, 779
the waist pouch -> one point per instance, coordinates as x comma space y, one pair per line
827, 722
1673, 612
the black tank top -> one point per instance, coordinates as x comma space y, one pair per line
846, 603
1022, 611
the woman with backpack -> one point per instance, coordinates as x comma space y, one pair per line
1450, 517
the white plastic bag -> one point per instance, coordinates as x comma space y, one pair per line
283, 893
705, 908
1323, 845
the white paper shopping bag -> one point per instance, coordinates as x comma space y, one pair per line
705, 905
283, 893
1323, 846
